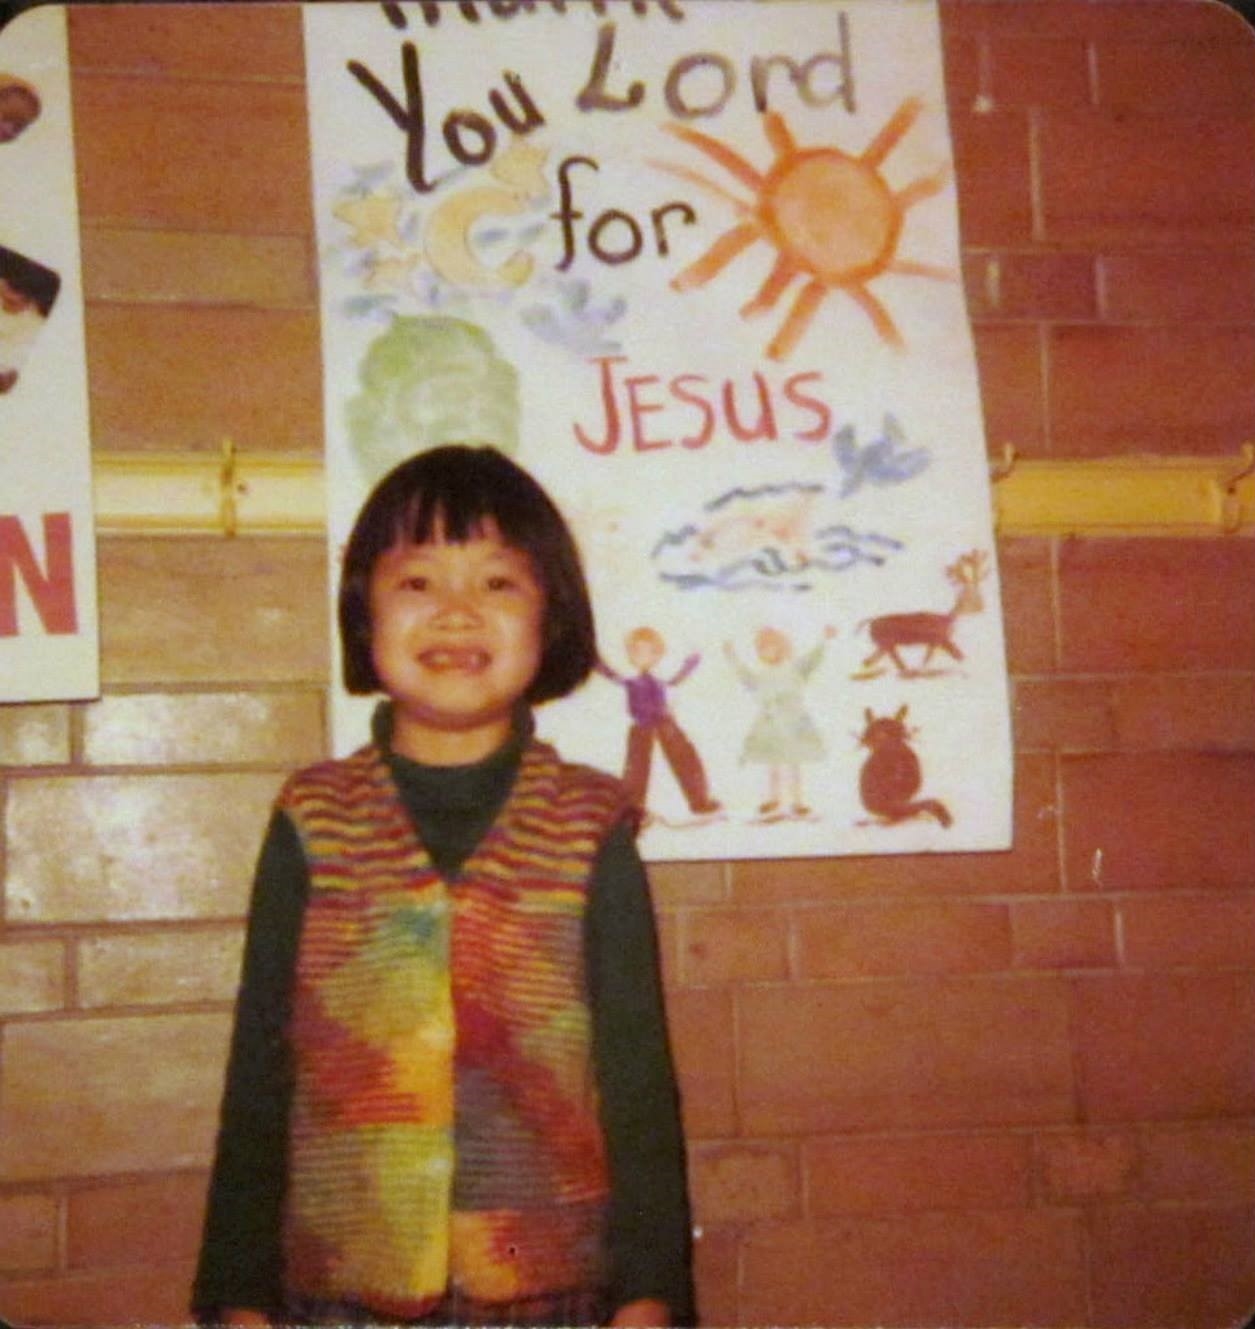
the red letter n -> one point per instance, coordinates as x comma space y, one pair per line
51, 590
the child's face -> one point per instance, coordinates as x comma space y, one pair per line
773, 646
644, 650
456, 632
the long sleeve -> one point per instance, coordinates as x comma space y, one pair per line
240, 1259
650, 1232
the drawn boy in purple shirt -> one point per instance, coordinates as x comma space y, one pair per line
652, 721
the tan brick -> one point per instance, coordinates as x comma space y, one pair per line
152, 1294
1156, 1046
1159, 822
868, 940
115, 848
731, 945
743, 1183
688, 883
1212, 1163
183, 378
34, 735
229, 43
32, 976
159, 969
213, 611
165, 267
1199, 932
907, 1173
88, 1097
154, 729
1155, 1267
1082, 1165
243, 159
134, 1222
947, 1053
700, 1021
28, 1233
1005, 1268
1063, 934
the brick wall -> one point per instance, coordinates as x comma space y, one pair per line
963, 1090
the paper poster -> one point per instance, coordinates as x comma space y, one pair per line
48, 633
696, 266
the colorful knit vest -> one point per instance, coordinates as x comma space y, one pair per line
445, 1129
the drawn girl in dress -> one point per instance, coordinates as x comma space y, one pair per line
783, 736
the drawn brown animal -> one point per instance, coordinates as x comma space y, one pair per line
891, 775
934, 632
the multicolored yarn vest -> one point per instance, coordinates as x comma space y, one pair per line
445, 1129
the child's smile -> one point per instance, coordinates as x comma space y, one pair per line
456, 641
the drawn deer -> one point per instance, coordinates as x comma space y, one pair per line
891, 632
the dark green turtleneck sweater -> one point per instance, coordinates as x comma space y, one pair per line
453, 808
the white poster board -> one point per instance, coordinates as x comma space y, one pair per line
696, 266
48, 632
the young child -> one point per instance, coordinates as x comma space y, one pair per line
450, 1097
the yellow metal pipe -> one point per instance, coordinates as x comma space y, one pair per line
266, 494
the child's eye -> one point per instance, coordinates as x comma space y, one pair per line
415, 582
500, 582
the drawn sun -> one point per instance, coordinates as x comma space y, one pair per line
831, 217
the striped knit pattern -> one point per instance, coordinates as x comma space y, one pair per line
445, 1131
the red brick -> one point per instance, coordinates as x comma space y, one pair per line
136, 1222
956, 1053
1186, 389
1168, 20
1159, 822
1202, 931
700, 1022
1032, 71
1012, 387
1157, 605
716, 1255
1178, 1266
28, 1233
1078, 1166
1105, 178
1063, 934
1208, 712
1188, 78
1213, 1163
743, 1183
858, 941
1013, 285
1164, 1046
962, 60
1005, 1268
1186, 287
900, 1175
1025, 566
1064, 715
991, 159
1030, 867
734, 945
152, 1294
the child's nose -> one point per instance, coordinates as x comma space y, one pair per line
458, 605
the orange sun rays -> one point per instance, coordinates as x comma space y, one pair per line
830, 216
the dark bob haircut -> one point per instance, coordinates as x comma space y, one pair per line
453, 492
